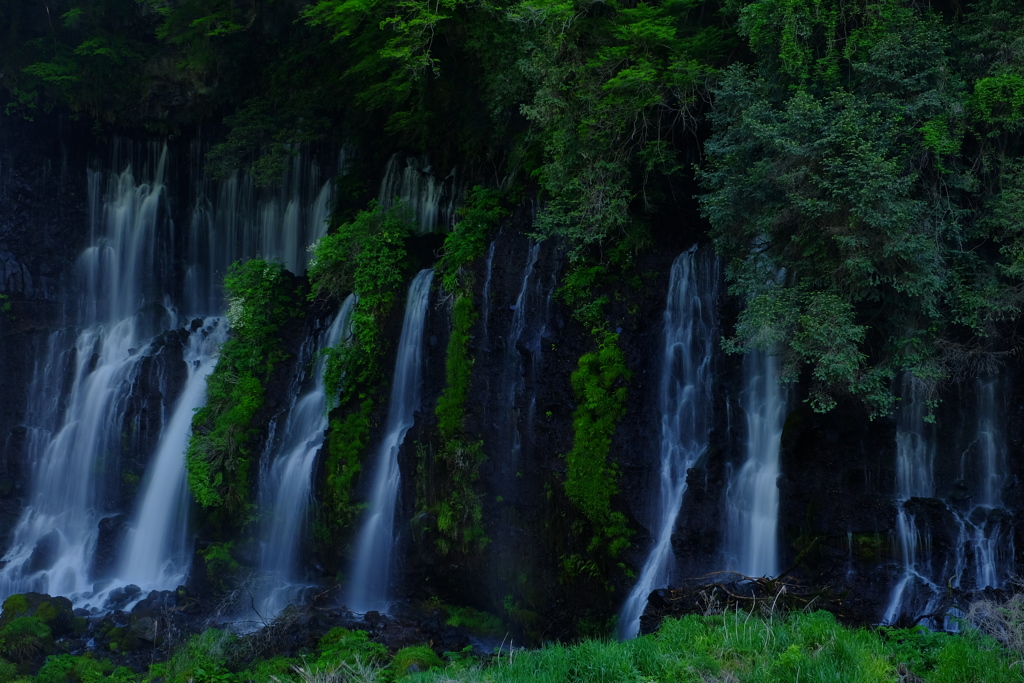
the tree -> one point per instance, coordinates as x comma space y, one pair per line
843, 190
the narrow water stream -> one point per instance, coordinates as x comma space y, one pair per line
690, 338
372, 568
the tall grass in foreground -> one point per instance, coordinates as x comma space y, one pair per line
797, 648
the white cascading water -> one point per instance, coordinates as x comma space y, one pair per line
82, 381
156, 551
371, 571
983, 550
690, 336
915, 478
485, 296
286, 483
233, 219
55, 539
985, 523
75, 428
432, 200
752, 498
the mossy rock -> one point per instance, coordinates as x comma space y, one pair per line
16, 604
342, 645
475, 621
115, 638
413, 659
56, 612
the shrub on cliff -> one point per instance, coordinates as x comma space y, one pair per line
262, 300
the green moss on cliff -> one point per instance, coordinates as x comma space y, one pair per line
367, 255
599, 384
262, 301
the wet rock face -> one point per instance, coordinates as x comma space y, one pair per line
43, 205
16, 279
43, 226
518, 405
836, 510
525, 345
112, 531
154, 392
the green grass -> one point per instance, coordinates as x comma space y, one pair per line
737, 647
809, 648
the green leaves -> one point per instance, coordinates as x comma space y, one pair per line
263, 137
467, 240
999, 101
615, 88
53, 72
261, 301
847, 204
599, 384
366, 256
412, 26
799, 34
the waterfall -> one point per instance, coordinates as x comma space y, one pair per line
511, 351
286, 481
75, 425
690, 337
485, 296
915, 478
157, 552
982, 552
515, 396
68, 443
233, 219
985, 521
432, 200
127, 264
752, 498
514, 368
371, 572
82, 417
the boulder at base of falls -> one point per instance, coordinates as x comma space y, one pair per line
119, 598
160, 613
55, 612
28, 626
725, 591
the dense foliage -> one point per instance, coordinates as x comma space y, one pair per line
366, 255
591, 474
859, 181
862, 176
262, 300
